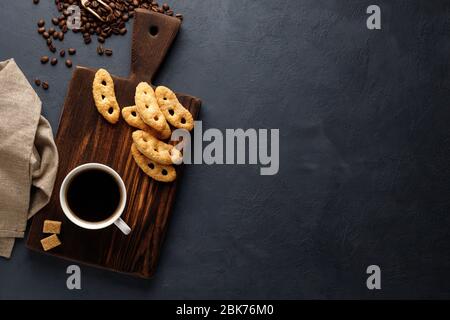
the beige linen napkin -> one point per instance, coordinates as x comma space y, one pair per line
28, 155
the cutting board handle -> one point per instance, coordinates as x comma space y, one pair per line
153, 34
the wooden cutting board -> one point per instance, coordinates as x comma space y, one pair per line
84, 136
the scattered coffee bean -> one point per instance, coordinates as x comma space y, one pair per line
44, 59
69, 63
45, 85
53, 61
100, 50
36, 1
114, 22
62, 53
37, 82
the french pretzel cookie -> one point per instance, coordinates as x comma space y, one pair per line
148, 108
177, 115
151, 168
132, 117
104, 96
156, 150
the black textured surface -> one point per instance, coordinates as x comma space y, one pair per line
364, 172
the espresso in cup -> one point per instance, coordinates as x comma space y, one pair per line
93, 195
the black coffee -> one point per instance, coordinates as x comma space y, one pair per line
93, 195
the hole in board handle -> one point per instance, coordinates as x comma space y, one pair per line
153, 30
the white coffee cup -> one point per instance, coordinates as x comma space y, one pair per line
114, 218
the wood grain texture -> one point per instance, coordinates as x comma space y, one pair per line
84, 136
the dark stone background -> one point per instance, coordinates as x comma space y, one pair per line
365, 151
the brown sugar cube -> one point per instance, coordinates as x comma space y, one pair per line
51, 226
50, 242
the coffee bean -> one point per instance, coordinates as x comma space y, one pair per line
113, 22
41, 23
35, 1
51, 31
61, 36
53, 61
69, 63
46, 35
44, 59
45, 85
100, 50
179, 16
49, 42
41, 30
37, 82
52, 48
108, 52
62, 53
55, 36
72, 51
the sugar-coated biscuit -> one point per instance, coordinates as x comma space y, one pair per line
155, 149
148, 108
50, 242
132, 117
51, 226
154, 170
177, 115
104, 96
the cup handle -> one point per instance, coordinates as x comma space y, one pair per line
122, 226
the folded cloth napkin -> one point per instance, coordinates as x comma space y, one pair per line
28, 155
